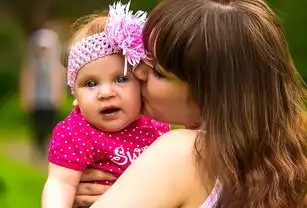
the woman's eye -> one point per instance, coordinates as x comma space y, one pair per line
91, 84
148, 62
121, 79
157, 73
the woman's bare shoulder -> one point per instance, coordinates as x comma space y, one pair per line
178, 137
175, 146
166, 168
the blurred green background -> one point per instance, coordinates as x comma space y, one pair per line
21, 179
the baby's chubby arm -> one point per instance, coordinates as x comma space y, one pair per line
60, 187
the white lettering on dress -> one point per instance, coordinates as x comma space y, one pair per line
122, 157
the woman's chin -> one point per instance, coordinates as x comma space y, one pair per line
150, 112
146, 112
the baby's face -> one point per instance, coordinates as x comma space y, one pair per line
107, 99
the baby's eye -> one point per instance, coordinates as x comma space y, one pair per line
121, 79
91, 84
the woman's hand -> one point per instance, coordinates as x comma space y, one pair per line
88, 193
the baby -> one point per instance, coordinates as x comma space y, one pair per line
105, 130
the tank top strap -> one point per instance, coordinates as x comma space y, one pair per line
213, 197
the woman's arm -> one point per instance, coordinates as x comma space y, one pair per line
60, 187
165, 175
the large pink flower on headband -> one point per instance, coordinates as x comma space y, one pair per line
122, 34
125, 29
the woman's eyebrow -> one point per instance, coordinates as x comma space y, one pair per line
165, 73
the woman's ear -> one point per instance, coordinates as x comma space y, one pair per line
75, 102
141, 71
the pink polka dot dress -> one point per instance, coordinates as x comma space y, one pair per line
77, 145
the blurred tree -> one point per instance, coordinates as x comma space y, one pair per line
293, 16
33, 13
11, 44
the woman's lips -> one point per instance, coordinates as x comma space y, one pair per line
144, 97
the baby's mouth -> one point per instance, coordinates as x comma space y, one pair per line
110, 110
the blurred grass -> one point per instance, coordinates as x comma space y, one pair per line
22, 184
14, 122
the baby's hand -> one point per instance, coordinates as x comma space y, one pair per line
88, 193
60, 187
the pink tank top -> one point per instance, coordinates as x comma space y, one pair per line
213, 197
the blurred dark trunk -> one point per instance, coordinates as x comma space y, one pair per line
32, 14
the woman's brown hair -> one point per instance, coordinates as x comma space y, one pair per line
235, 58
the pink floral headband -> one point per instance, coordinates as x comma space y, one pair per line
122, 34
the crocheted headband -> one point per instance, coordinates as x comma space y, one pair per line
122, 34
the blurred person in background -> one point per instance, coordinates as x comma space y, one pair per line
42, 84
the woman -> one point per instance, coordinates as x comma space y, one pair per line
222, 68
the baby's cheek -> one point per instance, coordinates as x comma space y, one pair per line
133, 99
135, 88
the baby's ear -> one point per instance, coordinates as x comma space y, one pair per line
75, 102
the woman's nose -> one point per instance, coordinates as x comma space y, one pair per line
141, 71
